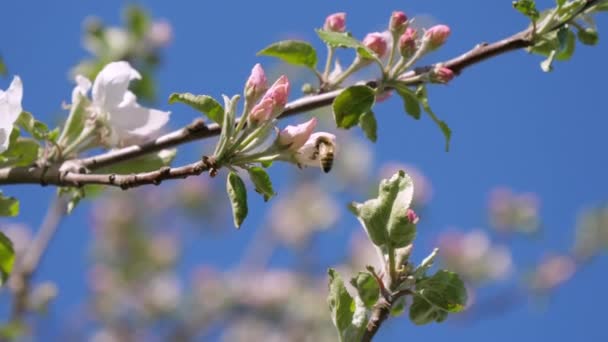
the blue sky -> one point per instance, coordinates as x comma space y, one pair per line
513, 125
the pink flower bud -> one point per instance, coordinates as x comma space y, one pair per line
398, 22
412, 216
407, 42
442, 75
437, 35
376, 42
262, 111
335, 22
257, 83
295, 137
279, 92
272, 103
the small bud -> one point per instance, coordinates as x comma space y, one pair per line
160, 33
398, 22
272, 103
295, 137
335, 22
442, 75
412, 216
257, 83
376, 42
436, 36
407, 42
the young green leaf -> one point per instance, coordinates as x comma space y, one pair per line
385, 217
293, 52
437, 296
349, 315
9, 206
138, 21
367, 288
424, 100
339, 39
351, 104
527, 8
237, 193
37, 129
410, 100
261, 181
368, 124
3, 69
424, 266
203, 103
588, 36
7, 258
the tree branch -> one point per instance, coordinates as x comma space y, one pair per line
22, 275
197, 130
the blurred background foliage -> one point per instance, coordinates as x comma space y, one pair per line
143, 286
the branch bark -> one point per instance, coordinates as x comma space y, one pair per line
198, 130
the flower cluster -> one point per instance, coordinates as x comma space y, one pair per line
10, 109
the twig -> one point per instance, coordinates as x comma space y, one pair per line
23, 272
54, 176
198, 130
380, 313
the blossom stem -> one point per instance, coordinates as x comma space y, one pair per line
330, 56
84, 139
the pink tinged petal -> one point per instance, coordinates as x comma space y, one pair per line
437, 35
262, 111
442, 75
407, 42
112, 83
83, 85
335, 22
279, 92
308, 154
376, 41
10, 109
257, 83
412, 216
296, 136
398, 21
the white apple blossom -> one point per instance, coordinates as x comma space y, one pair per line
116, 107
10, 108
310, 155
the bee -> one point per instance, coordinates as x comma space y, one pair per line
324, 149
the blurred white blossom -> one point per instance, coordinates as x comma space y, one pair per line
10, 109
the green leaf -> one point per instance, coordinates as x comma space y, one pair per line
7, 258
203, 103
9, 206
137, 20
293, 52
262, 182
385, 217
351, 104
560, 3
21, 151
237, 193
367, 288
427, 263
3, 69
527, 8
368, 124
424, 100
145, 163
339, 39
437, 296
588, 36
398, 306
37, 129
348, 315
410, 100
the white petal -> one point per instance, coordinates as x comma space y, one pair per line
83, 85
111, 84
10, 109
133, 123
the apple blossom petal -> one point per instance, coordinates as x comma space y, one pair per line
296, 136
112, 83
132, 123
10, 109
83, 85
